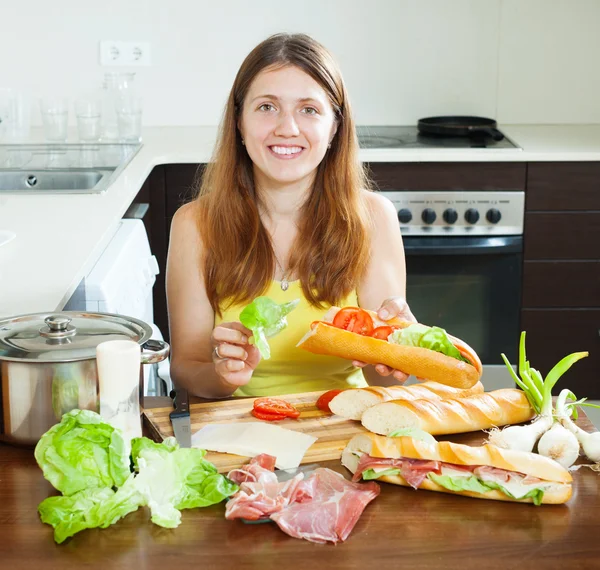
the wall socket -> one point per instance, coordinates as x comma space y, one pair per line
120, 53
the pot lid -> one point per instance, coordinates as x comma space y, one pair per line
66, 336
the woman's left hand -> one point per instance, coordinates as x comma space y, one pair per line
391, 308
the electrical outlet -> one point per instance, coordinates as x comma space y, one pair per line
120, 53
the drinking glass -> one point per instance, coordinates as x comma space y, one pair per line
129, 118
55, 115
89, 119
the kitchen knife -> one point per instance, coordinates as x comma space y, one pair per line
180, 417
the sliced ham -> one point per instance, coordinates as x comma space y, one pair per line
414, 471
333, 511
261, 494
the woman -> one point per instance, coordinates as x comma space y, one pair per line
283, 211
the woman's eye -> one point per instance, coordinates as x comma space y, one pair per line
310, 111
266, 107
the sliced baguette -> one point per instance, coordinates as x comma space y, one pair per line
352, 403
486, 455
440, 417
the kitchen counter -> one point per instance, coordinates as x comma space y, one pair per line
59, 237
401, 528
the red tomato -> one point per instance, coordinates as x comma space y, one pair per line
324, 399
275, 406
383, 332
354, 320
268, 417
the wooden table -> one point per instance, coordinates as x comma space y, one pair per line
402, 528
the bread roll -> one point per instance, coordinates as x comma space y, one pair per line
439, 417
352, 403
530, 464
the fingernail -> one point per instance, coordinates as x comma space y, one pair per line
245, 356
244, 339
384, 314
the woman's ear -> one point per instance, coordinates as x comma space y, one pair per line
334, 129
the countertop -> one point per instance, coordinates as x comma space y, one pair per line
59, 237
401, 528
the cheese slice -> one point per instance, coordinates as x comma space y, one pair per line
253, 438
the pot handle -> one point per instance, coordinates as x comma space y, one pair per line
154, 350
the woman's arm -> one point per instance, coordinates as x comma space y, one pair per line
194, 364
384, 287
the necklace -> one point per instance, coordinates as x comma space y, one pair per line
284, 282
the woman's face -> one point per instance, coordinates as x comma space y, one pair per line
286, 123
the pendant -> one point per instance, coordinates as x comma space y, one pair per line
284, 284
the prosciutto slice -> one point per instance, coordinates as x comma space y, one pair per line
261, 494
335, 507
414, 471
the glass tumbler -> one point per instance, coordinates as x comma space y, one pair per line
89, 119
129, 118
55, 115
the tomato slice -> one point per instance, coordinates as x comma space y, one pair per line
275, 406
354, 320
324, 399
314, 324
266, 416
383, 332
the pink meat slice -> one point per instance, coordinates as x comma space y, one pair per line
333, 511
261, 494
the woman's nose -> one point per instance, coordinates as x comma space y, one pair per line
287, 126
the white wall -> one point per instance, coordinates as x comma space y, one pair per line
521, 61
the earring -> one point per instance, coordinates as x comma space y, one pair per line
243, 142
329, 145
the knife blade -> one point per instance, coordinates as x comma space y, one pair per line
180, 417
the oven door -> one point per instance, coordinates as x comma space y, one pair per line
470, 286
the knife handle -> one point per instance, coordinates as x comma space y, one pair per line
181, 403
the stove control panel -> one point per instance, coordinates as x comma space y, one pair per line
459, 213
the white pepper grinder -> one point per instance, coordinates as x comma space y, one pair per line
118, 364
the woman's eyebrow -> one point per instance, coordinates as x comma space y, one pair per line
275, 98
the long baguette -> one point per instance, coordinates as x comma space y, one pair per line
441, 417
530, 464
352, 403
324, 338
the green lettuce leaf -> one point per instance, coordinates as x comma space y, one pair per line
172, 478
265, 318
90, 508
82, 452
433, 338
415, 433
369, 474
474, 484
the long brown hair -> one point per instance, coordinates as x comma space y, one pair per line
331, 250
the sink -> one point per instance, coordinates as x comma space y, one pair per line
72, 180
63, 168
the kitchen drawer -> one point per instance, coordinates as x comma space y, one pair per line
563, 186
554, 333
565, 235
561, 284
448, 175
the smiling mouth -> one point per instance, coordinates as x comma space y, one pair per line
286, 152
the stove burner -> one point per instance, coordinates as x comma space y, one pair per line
409, 137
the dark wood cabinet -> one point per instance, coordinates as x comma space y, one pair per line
561, 273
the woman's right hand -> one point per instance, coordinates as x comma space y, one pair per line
235, 359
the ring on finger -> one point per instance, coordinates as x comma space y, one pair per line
216, 353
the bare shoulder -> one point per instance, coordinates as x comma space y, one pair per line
184, 227
382, 210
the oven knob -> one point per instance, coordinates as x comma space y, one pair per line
428, 215
405, 216
450, 216
493, 216
472, 216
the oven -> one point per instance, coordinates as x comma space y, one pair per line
463, 262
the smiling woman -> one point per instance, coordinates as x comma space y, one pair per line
284, 210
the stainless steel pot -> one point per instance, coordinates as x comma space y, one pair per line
48, 366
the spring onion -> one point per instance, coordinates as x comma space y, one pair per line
539, 393
590, 442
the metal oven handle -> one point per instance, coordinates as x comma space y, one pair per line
461, 245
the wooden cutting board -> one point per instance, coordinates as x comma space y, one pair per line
333, 432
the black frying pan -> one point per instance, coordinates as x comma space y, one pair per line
460, 126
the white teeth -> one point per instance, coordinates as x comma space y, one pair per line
286, 149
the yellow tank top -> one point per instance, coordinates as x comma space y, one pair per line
290, 369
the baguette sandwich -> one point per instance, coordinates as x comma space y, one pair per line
442, 417
426, 352
485, 472
351, 404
